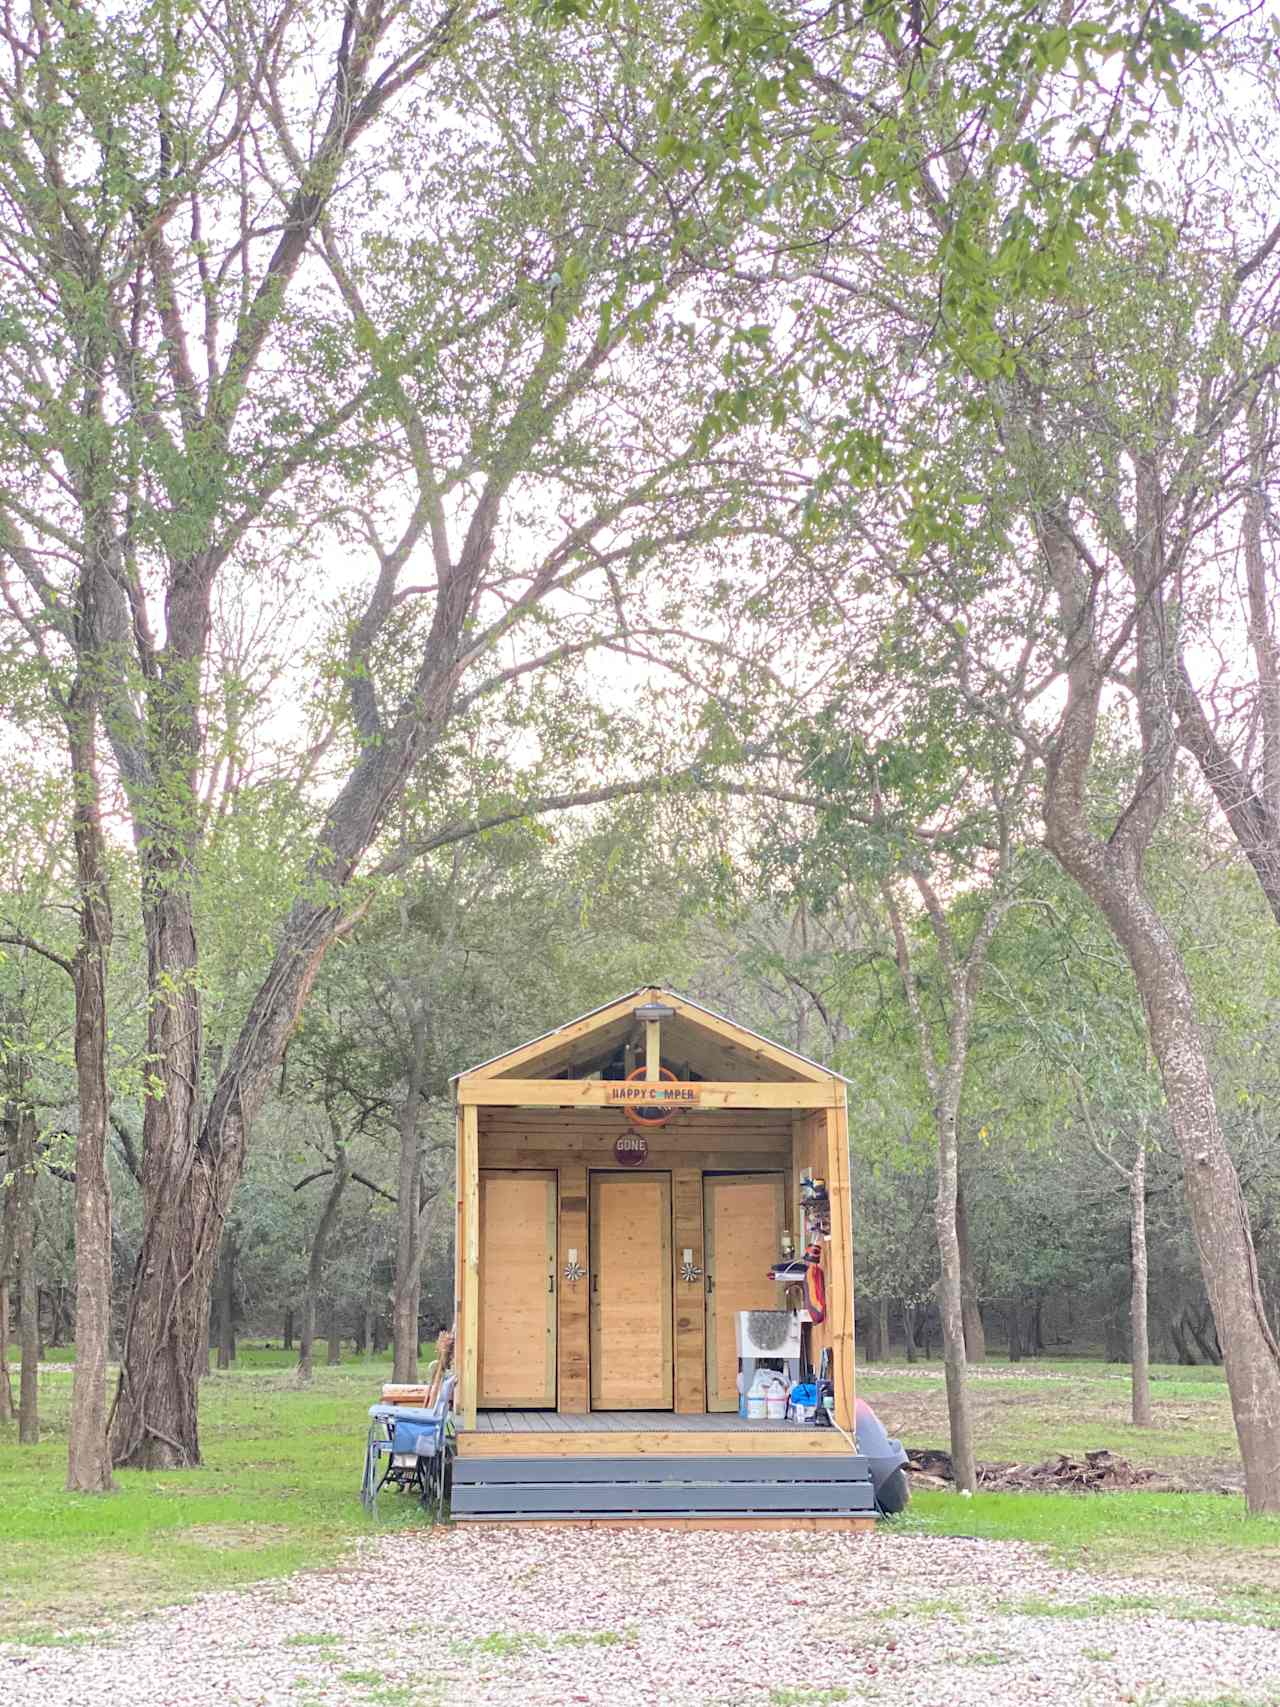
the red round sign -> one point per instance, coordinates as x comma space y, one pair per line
631, 1150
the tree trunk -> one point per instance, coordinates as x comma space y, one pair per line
1013, 1317
945, 1079
1182, 1350
950, 1287
1210, 1349
406, 1295
307, 1337
379, 1333
882, 1323
8, 1205
88, 1446
24, 1164
1141, 1409
1219, 1218
1110, 872
226, 1301
368, 1328
288, 1330
975, 1339
62, 1317
315, 1266
333, 1336
1115, 1338
6, 1385
909, 1331
871, 1337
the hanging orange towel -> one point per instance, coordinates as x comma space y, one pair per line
815, 1292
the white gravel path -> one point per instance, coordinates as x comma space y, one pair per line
622, 1618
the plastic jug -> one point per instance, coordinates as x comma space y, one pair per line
768, 1389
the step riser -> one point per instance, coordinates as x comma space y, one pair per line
665, 1469
747, 1486
591, 1499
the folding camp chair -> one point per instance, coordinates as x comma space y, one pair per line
412, 1445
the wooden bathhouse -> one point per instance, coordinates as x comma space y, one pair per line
625, 1186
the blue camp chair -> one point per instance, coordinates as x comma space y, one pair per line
412, 1445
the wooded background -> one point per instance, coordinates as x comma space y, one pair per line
501, 504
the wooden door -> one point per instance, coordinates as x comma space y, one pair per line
516, 1350
744, 1215
631, 1287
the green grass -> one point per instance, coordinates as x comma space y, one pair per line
1202, 1538
803, 1697
500, 1646
278, 1492
1026, 1412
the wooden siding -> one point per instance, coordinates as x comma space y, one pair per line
690, 1305
573, 1142
575, 1295
840, 1270
468, 1267
821, 1144
597, 1093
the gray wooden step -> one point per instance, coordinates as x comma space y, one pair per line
813, 1485
666, 1467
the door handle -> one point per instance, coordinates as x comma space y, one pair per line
711, 1283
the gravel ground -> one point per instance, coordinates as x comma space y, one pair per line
620, 1618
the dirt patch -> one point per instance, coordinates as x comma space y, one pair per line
225, 1536
1100, 1472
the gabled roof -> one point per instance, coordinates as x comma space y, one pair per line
709, 1044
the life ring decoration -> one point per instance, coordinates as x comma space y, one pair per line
655, 1116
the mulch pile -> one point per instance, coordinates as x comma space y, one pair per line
1096, 1473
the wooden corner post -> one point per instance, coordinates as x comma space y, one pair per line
468, 1264
840, 1303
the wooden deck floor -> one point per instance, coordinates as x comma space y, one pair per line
615, 1434
628, 1422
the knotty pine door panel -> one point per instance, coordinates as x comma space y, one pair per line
631, 1304
516, 1358
744, 1215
